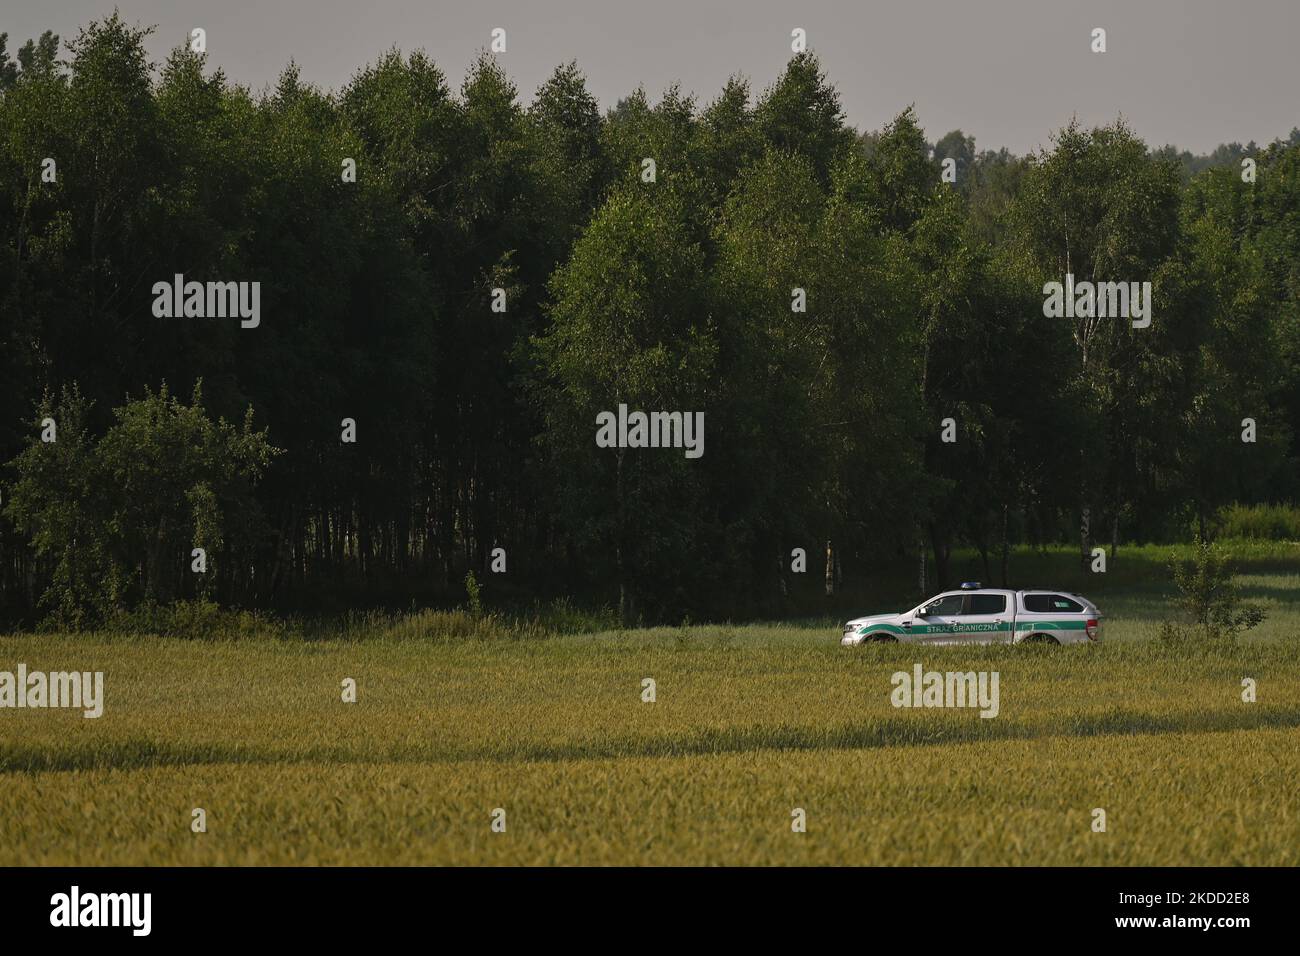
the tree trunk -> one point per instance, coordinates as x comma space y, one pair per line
920, 549
942, 552
1005, 547
618, 542
1085, 537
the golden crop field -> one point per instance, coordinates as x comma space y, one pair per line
749, 723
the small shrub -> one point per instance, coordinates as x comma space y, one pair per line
1208, 597
474, 594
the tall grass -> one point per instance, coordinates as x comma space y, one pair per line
1259, 522
204, 620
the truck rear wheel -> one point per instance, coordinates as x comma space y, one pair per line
1040, 639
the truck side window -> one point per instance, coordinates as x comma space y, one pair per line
1049, 603
948, 604
987, 604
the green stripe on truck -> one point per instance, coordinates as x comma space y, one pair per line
974, 628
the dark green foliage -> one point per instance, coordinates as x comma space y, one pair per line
475, 426
118, 518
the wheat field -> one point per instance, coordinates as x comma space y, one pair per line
749, 724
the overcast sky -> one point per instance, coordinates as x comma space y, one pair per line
1191, 72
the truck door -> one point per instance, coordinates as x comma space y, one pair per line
987, 618
937, 621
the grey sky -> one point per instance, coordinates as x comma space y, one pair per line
1192, 72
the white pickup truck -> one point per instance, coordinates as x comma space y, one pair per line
978, 615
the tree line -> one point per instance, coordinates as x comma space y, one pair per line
494, 276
